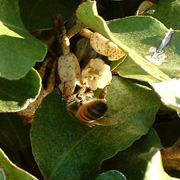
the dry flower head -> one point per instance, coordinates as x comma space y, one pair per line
96, 74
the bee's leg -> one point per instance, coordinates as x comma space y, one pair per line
106, 121
89, 123
81, 91
103, 93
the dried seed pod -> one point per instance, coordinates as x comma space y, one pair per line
85, 33
68, 67
69, 73
65, 42
105, 47
28, 113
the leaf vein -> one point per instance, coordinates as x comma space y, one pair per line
69, 152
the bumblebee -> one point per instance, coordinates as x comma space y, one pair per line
89, 110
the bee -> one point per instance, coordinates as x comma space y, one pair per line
89, 110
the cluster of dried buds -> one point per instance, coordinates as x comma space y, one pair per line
96, 74
82, 104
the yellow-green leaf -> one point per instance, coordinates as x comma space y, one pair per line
19, 50
11, 171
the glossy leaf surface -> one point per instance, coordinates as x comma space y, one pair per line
170, 19
129, 69
137, 35
128, 161
123, 32
155, 168
169, 93
39, 14
19, 49
13, 133
11, 171
74, 151
111, 175
17, 94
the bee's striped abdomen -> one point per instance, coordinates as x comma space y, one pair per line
92, 110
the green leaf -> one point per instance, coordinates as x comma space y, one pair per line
2, 175
19, 49
13, 154
111, 175
11, 171
16, 95
75, 151
130, 104
38, 14
136, 35
129, 69
155, 168
172, 18
147, 33
169, 93
13, 133
128, 161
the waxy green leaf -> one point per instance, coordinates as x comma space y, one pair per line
16, 95
2, 175
129, 69
172, 17
148, 33
136, 35
19, 50
13, 133
111, 175
39, 14
75, 151
128, 161
169, 93
155, 168
11, 171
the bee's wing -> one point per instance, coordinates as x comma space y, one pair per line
106, 121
